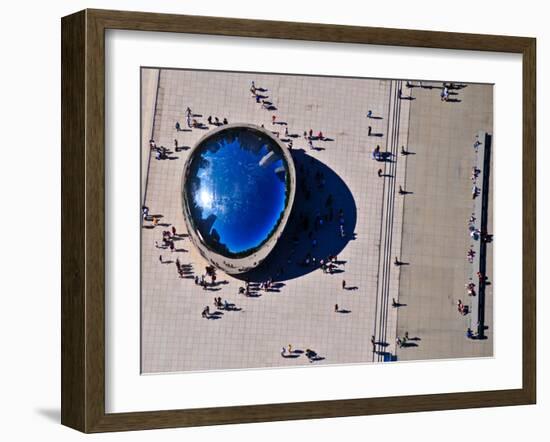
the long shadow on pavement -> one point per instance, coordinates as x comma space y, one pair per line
287, 260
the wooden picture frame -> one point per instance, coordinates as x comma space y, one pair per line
83, 210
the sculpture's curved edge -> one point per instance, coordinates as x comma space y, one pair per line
235, 266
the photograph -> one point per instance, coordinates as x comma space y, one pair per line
293, 220
242, 221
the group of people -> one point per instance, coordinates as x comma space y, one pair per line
216, 121
463, 309
167, 240
258, 94
446, 90
183, 269
250, 288
161, 152
326, 264
381, 156
194, 123
475, 189
210, 272
400, 341
330, 264
470, 288
225, 305
219, 305
168, 236
310, 354
477, 235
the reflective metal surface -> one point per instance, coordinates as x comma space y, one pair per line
236, 189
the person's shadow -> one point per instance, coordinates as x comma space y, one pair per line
287, 259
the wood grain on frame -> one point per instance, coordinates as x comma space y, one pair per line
83, 213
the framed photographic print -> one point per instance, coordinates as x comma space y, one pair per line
270, 220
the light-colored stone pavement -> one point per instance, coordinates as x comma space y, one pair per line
435, 228
176, 338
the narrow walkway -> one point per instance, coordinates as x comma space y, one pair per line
149, 91
478, 230
390, 225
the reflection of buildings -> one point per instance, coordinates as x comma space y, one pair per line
208, 223
249, 178
281, 172
268, 159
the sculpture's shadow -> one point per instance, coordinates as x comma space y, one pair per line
321, 224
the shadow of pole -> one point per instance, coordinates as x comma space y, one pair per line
304, 236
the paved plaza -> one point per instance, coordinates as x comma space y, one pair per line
426, 229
